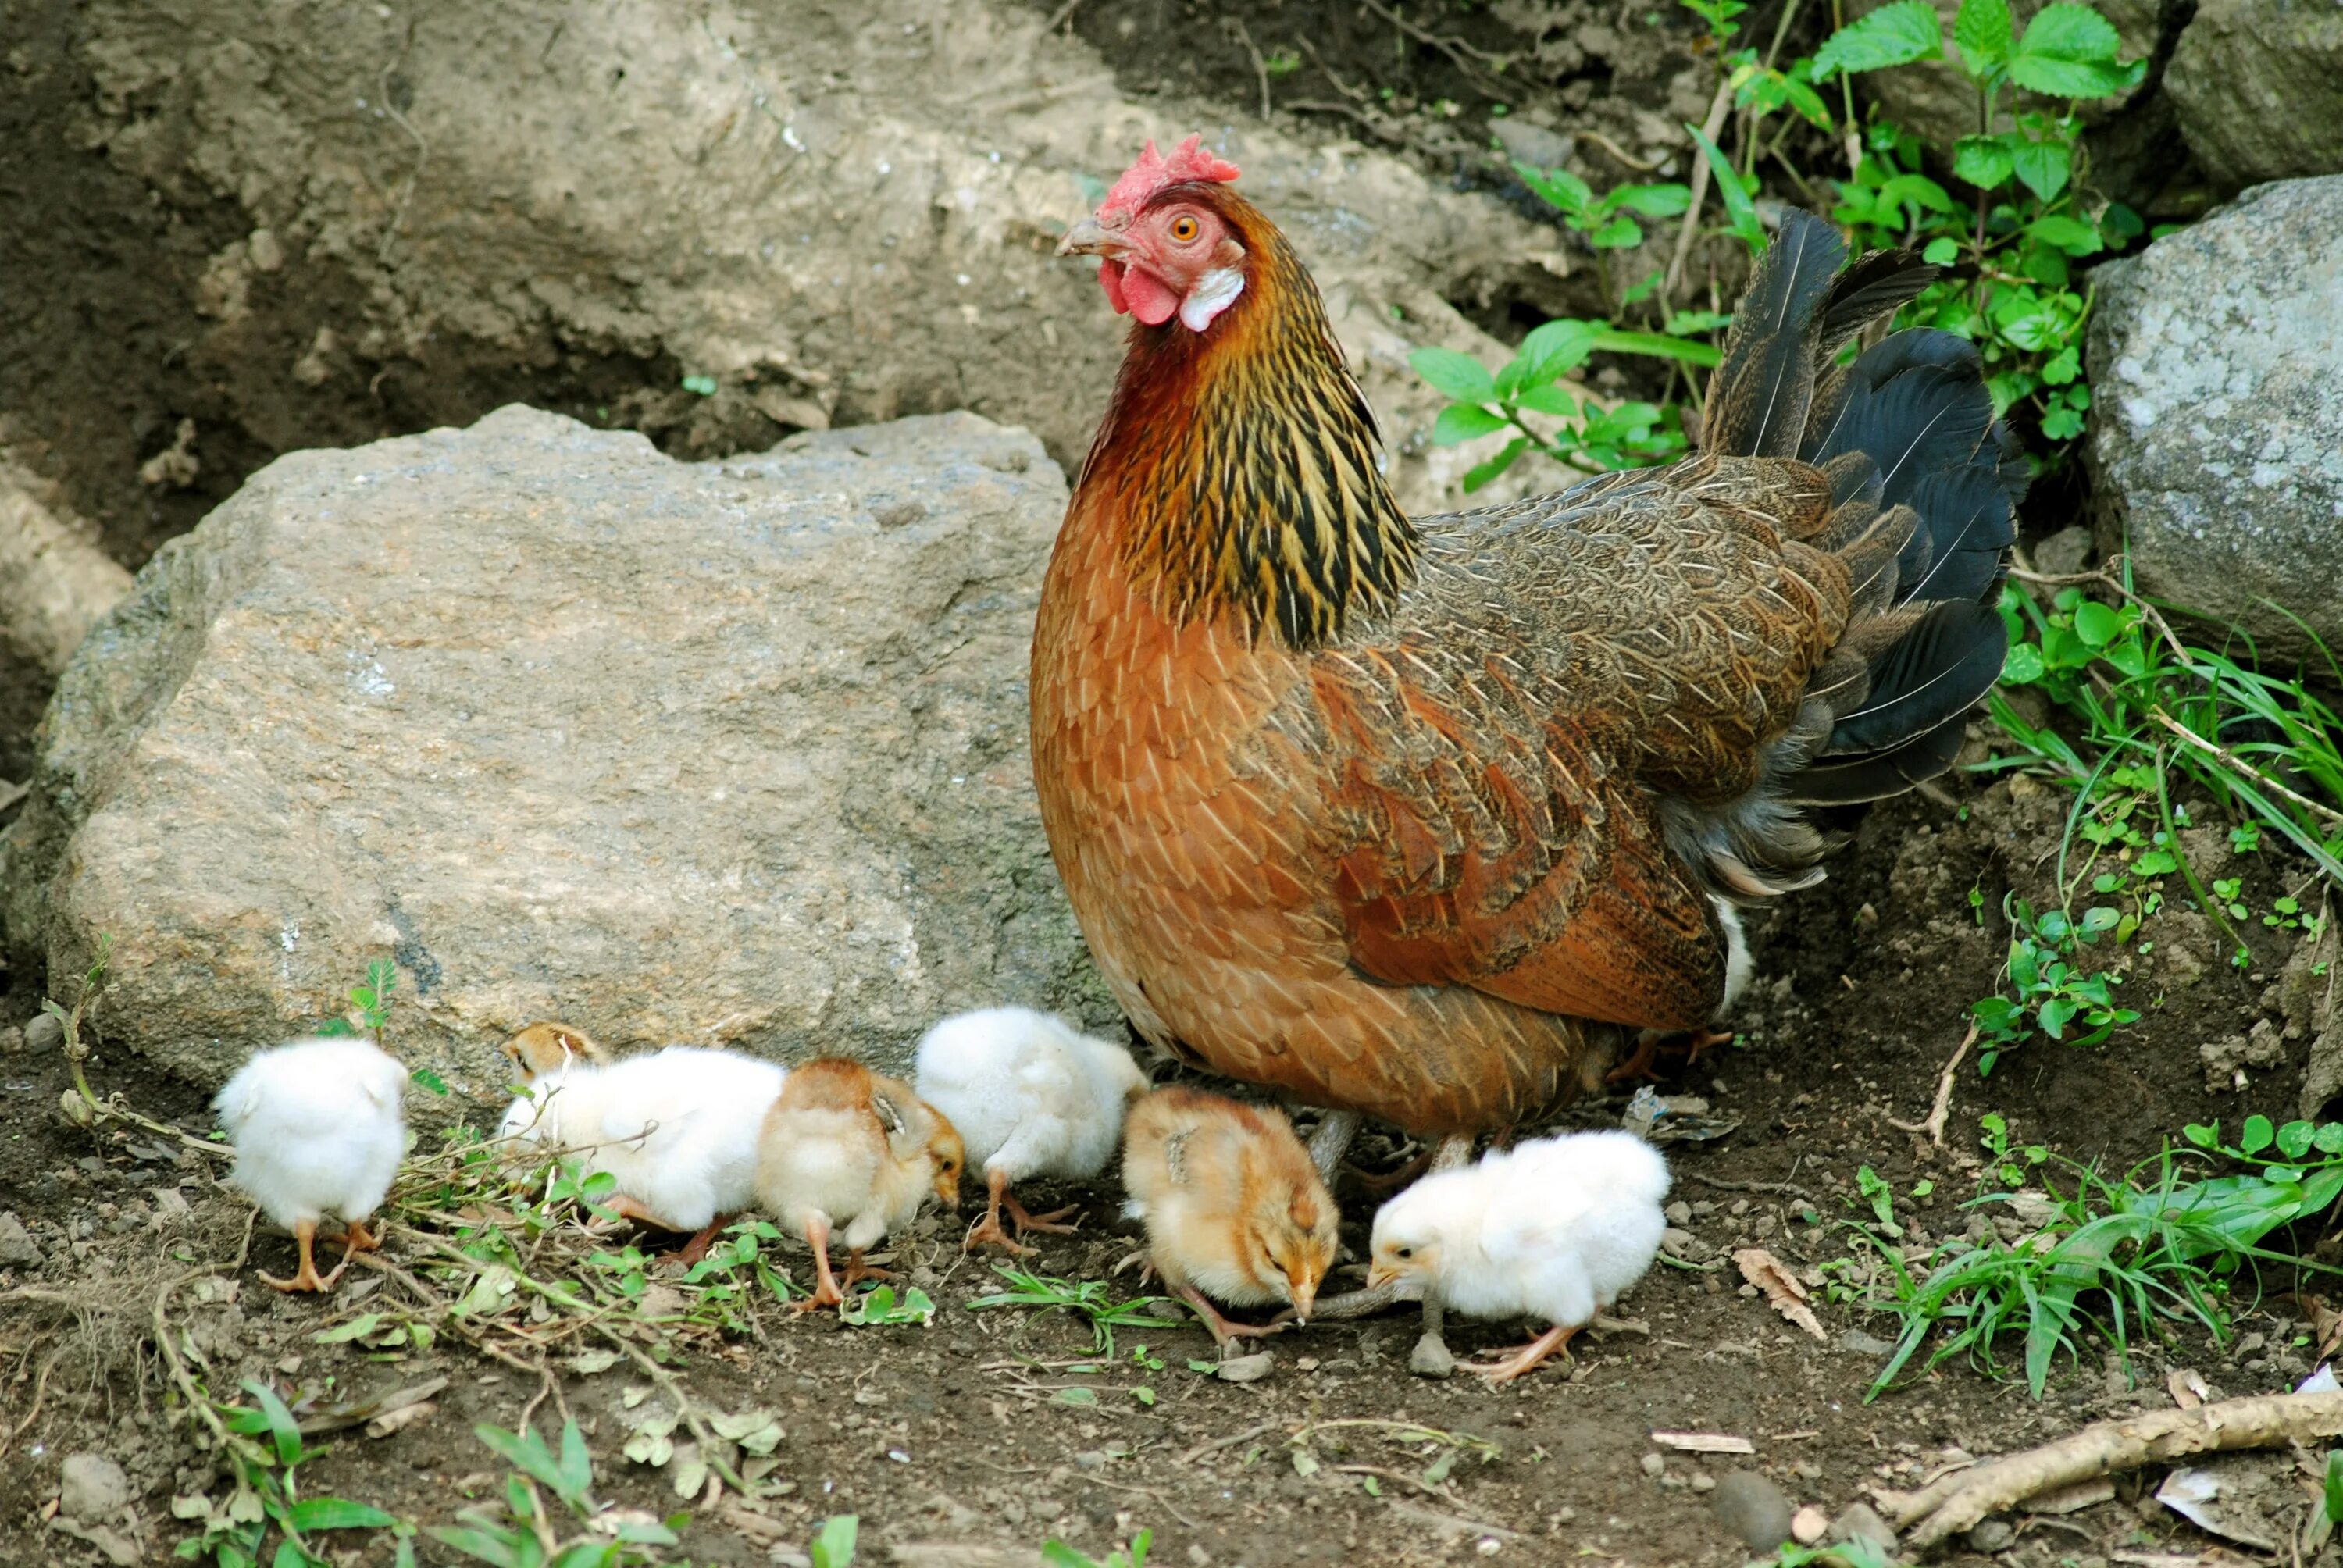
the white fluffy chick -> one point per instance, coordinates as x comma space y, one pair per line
318, 1132
1556, 1228
1030, 1098
677, 1128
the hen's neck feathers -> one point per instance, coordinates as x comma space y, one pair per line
1237, 465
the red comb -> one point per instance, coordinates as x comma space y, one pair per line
1153, 171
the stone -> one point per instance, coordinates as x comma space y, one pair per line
564, 728
18, 1248
1991, 1535
1808, 1525
44, 1034
92, 1488
1861, 1522
2258, 86
839, 247
1654, 1465
1248, 1369
1432, 1357
1752, 1509
2216, 442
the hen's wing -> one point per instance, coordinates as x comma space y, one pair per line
1564, 666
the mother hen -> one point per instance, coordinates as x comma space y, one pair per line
1416, 819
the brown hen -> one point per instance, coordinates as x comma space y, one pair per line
1415, 819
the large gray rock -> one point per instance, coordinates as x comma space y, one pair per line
2218, 438
837, 211
2259, 84
728, 752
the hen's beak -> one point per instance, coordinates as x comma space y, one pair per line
1091, 237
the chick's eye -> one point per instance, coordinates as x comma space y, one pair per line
1407, 1251
1185, 228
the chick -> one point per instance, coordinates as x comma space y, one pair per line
1031, 1098
847, 1146
1233, 1207
317, 1131
1554, 1228
678, 1129
544, 1048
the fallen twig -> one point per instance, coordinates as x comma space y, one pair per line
1218, 1444
2265, 1421
1719, 108
1934, 1125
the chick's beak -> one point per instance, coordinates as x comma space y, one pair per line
1381, 1274
1305, 1295
1091, 237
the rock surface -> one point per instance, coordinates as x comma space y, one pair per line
2217, 440
92, 1488
2258, 88
837, 213
725, 753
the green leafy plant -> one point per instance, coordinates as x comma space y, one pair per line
370, 1004
833, 1545
2123, 1256
526, 1534
262, 1452
1092, 1300
2054, 993
1607, 221
1058, 1554
879, 1305
1842, 1554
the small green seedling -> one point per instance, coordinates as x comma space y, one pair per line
879, 1306
1091, 1298
1058, 1554
524, 1534
268, 1494
833, 1545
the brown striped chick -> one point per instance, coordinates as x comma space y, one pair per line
847, 1147
1235, 1211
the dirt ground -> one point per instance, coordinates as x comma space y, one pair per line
955, 1440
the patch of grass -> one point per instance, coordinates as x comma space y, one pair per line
2119, 1257
1093, 1300
1058, 1554
527, 1534
261, 1449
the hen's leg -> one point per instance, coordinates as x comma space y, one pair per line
1332, 1141
1651, 1042
1527, 1356
987, 1232
1222, 1329
305, 1278
826, 1292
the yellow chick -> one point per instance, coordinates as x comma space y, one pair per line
1234, 1208
845, 1146
546, 1047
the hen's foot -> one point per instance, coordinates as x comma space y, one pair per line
1652, 1042
1509, 1367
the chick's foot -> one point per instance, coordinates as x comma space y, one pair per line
305, 1277
1507, 1368
1222, 1329
858, 1271
826, 1292
1046, 1224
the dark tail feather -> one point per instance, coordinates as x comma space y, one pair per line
1875, 775
1758, 398
1879, 282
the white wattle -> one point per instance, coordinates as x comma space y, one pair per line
1214, 292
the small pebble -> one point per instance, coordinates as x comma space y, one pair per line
1808, 1525
1248, 1369
1861, 1522
1305, 1364
1678, 1212
1703, 1481
1654, 1466
1752, 1509
94, 1489
44, 1034
1430, 1357
1991, 1535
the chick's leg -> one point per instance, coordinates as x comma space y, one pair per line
826, 1292
703, 1239
1045, 1223
305, 1278
988, 1231
1529, 1355
857, 1270
1222, 1329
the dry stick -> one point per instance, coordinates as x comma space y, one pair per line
1260, 67
1719, 108
2265, 1421
1934, 1125
2190, 737
1247, 1435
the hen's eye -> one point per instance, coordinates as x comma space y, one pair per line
1185, 228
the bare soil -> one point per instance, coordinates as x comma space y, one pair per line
953, 1435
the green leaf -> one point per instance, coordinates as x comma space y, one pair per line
2329, 1137
283, 1431
1739, 210
1559, 188
1984, 35
1081, 1397
2043, 167
2294, 1139
475, 1542
358, 1327
833, 1547
335, 1514
1454, 374
524, 1451
2063, 366
2070, 235
2258, 1135
1942, 251
575, 1468
1893, 34
1984, 161
1654, 201
2096, 624
1481, 474
1619, 234
1555, 349
2069, 51
1549, 399
1462, 422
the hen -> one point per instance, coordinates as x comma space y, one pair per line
1419, 818
1556, 1227
318, 1131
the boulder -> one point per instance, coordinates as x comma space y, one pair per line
2258, 88
2218, 438
792, 213
724, 753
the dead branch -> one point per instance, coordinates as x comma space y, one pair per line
1719, 108
2158, 1437
1934, 1125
